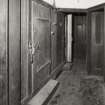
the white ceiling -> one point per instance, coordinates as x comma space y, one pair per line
75, 3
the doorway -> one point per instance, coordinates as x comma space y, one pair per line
76, 43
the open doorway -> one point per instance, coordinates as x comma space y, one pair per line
76, 43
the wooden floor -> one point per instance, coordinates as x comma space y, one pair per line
68, 91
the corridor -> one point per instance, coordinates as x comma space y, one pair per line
52, 52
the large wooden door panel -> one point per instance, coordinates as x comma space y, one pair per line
40, 38
97, 47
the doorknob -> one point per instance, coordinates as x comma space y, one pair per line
52, 33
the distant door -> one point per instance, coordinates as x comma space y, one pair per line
97, 45
79, 38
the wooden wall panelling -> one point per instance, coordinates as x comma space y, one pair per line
14, 53
3, 52
25, 90
35, 47
40, 38
36, 31
53, 39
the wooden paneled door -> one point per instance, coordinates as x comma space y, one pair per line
97, 42
40, 43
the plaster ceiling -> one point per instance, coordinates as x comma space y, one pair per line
75, 3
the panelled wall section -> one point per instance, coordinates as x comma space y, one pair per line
42, 45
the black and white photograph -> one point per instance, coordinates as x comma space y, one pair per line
52, 52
